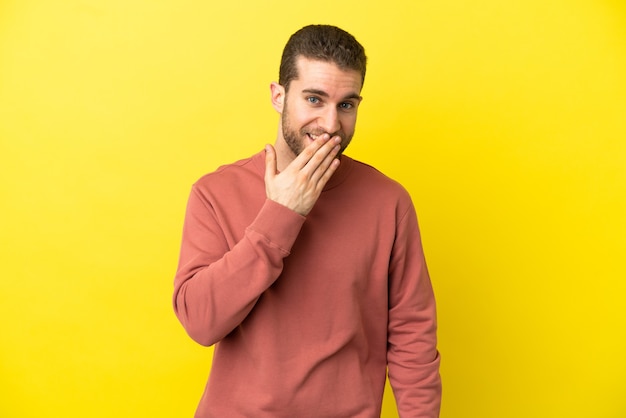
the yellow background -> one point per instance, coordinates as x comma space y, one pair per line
505, 121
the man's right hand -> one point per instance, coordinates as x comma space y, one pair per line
300, 184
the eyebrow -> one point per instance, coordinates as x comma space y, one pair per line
324, 94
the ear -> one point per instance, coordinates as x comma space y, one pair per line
278, 96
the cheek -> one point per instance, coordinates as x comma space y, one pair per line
304, 118
348, 123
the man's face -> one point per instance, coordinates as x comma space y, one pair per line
323, 99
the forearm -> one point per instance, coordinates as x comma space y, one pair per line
413, 364
412, 356
216, 287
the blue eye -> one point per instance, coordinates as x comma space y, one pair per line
346, 106
313, 100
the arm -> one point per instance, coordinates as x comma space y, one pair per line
412, 356
216, 287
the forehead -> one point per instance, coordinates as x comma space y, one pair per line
325, 76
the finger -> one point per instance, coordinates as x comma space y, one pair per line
321, 155
309, 152
270, 163
324, 170
334, 164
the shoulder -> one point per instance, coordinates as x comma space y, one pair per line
371, 190
368, 176
229, 175
230, 184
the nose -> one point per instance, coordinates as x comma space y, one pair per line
329, 120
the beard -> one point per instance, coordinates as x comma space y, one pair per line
298, 139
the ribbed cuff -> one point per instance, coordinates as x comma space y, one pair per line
278, 224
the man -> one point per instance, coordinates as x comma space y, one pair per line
305, 267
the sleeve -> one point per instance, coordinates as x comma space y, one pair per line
216, 287
412, 356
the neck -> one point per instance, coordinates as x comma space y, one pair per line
284, 154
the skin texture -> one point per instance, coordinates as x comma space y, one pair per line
318, 119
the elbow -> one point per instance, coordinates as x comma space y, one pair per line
201, 337
197, 329
196, 324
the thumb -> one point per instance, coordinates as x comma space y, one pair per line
270, 162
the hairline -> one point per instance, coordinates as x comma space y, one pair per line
320, 59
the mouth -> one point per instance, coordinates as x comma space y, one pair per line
312, 137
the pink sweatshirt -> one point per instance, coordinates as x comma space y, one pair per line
308, 313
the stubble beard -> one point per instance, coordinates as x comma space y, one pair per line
298, 140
